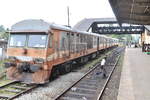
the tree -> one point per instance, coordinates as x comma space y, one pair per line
126, 37
3, 32
2, 29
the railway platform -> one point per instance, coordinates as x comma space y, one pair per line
135, 76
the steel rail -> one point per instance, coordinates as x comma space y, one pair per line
108, 79
19, 93
76, 82
7, 84
65, 91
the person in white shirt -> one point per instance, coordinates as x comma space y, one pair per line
102, 67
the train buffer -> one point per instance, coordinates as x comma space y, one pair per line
135, 81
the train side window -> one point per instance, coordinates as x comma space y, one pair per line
50, 40
68, 33
77, 38
80, 38
95, 40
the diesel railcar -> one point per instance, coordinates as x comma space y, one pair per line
38, 50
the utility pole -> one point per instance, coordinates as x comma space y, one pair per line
68, 13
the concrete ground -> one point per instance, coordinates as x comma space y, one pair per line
135, 76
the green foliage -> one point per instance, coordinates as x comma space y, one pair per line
1, 66
126, 37
2, 29
3, 32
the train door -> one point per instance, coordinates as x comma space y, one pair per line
97, 43
53, 49
69, 43
64, 44
103, 42
106, 43
72, 42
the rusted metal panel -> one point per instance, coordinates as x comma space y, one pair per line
31, 52
77, 44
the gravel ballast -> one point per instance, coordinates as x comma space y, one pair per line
111, 92
57, 86
52, 89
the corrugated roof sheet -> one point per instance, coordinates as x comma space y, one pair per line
132, 11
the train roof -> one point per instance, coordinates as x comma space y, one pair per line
38, 25
34, 25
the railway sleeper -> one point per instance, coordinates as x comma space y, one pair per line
12, 90
19, 87
79, 95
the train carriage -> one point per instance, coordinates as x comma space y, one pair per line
38, 50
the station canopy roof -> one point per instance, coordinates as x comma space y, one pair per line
85, 24
131, 11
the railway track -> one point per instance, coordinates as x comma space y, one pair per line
2, 74
88, 86
92, 85
14, 89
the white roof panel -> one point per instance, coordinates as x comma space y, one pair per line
33, 25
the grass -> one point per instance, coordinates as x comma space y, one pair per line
97, 60
2, 69
3, 82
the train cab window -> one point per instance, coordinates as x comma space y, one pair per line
17, 40
28, 40
37, 41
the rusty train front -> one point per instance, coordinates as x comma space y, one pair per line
27, 51
37, 50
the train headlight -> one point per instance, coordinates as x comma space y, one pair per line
11, 58
35, 67
9, 64
39, 60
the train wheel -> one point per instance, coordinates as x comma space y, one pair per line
68, 68
84, 60
55, 73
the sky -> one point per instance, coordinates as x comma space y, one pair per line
12, 11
